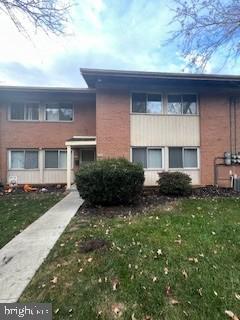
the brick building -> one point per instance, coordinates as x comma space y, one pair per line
166, 121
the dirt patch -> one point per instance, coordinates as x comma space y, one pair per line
145, 203
212, 191
94, 245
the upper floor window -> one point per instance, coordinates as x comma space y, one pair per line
23, 159
182, 104
150, 158
55, 159
180, 157
146, 103
59, 112
24, 111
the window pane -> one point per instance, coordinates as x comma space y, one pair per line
174, 104
139, 102
62, 159
31, 159
175, 157
17, 159
189, 104
66, 113
17, 111
88, 155
154, 158
52, 113
32, 111
190, 158
154, 103
139, 155
51, 159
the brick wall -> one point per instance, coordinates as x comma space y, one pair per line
18, 134
215, 135
113, 123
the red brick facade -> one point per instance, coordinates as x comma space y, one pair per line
215, 136
113, 123
43, 134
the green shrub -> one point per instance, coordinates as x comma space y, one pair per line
174, 184
111, 181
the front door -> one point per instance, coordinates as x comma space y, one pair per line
87, 155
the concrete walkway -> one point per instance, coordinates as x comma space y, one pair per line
23, 255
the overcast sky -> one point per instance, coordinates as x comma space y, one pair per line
114, 34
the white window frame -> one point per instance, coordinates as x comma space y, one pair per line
21, 169
57, 103
182, 94
185, 168
58, 150
147, 94
150, 148
25, 111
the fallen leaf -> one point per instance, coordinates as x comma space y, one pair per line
80, 270
115, 283
159, 252
56, 311
215, 292
133, 317
54, 280
168, 291
155, 279
166, 270
237, 296
173, 301
178, 241
231, 315
185, 274
193, 259
90, 259
118, 309
200, 291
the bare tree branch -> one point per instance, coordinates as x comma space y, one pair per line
205, 27
47, 15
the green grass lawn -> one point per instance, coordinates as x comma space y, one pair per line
20, 210
176, 264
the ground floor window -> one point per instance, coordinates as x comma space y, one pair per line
55, 159
180, 157
150, 157
23, 159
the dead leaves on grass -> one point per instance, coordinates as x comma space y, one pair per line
231, 315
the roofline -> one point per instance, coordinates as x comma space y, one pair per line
47, 89
157, 75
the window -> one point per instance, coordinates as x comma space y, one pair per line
55, 159
182, 104
183, 157
24, 159
24, 111
59, 112
146, 103
150, 158
87, 156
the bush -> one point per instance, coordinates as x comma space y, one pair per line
111, 181
174, 184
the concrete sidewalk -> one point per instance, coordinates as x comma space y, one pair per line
23, 255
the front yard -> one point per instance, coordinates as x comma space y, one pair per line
178, 262
17, 211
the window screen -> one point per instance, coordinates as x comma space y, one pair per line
154, 103
62, 159
31, 159
154, 158
190, 158
32, 111
17, 159
139, 155
189, 104
174, 104
17, 111
139, 102
51, 159
175, 157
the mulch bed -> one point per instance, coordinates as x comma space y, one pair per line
151, 200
